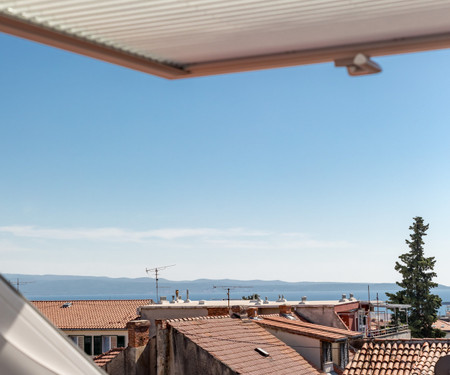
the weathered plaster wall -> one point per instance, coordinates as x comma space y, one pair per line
397, 335
178, 355
116, 366
307, 347
324, 315
132, 361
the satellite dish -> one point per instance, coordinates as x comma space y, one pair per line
442, 366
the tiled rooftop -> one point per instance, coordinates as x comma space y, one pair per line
442, 325
233, 342
307, 329
102, 359
398, 357
90, 314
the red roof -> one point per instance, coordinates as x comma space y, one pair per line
233, 342
398, 357
443, 325
102, 359
91, 314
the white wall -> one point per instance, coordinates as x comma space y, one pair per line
307, 347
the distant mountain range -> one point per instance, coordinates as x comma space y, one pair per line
42, 286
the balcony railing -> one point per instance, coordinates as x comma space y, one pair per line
387, 331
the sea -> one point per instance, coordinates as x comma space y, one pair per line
236, 295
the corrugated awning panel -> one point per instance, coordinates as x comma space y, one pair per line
194, 32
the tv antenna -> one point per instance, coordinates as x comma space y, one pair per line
156, 272
19, 283
228, 289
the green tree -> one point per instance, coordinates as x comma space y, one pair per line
417, 275
252, 296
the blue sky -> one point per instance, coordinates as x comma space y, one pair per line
299, 174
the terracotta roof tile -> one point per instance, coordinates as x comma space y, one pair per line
233, 342
91, 314
398, 357
442, 324
102, 359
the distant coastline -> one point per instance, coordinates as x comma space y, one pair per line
60, 287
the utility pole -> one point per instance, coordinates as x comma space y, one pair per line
156, 271
228, 288
378, 313
368, 323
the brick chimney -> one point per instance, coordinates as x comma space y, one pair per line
252, 312
138, 333
217, 311
236, 308
285, 309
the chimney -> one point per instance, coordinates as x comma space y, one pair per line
303, 300
138, 333
285, 309
162, 299
236, 309
344, 298
252, 312
218, 311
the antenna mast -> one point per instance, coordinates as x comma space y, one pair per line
156, 271
19, 283
228, 288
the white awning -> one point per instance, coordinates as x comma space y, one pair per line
177, 39
30, 344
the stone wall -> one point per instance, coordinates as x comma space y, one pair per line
178, 355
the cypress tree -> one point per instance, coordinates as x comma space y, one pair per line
417, 275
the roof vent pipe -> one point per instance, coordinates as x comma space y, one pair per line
262, 352
187, 300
